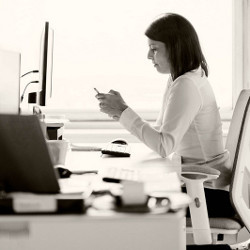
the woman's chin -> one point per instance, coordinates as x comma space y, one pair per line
162, 71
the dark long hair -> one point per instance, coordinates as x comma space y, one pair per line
181, 41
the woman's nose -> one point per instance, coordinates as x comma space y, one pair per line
150, 55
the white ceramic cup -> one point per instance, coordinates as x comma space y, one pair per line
58, 151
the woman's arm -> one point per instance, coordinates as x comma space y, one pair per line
182, 105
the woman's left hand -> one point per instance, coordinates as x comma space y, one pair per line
111, 104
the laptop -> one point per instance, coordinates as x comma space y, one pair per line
25, 163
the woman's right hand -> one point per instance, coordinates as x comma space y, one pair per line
112, 104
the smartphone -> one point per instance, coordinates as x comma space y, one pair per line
96, 91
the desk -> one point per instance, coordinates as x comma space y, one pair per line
141, 158
99, 231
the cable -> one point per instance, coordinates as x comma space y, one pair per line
32, 71
22, 96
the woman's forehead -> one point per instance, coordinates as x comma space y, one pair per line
153, 42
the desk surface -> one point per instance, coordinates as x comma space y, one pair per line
141, 157
154, 167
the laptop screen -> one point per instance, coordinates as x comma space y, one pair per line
25, 163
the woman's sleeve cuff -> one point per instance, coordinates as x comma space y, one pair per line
128, 118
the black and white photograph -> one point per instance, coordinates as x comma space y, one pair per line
125, 125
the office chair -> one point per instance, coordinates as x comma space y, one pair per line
200, 228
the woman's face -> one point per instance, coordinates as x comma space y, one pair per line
159, 56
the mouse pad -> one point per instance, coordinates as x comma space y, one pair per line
25, 163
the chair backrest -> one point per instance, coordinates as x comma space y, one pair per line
240, 184
235, 125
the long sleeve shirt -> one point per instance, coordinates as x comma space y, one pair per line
188, 123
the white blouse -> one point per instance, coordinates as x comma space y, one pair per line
188, 124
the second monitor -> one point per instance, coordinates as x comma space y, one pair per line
45, 65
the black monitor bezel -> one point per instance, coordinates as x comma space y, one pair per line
43, 95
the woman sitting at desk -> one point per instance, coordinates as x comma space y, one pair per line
189, 123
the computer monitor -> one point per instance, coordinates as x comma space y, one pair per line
10, 63
45, 66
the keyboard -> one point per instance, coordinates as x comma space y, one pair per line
117, 175
118, 150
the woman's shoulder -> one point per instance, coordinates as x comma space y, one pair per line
195, 78
184, 81
185, 87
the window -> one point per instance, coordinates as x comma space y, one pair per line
108, 50
102, 44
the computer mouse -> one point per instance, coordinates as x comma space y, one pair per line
120, 141
63, 172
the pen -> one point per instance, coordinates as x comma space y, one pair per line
96, 91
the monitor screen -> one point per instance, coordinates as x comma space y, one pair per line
45, 65
10, 63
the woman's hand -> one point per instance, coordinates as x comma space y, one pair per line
111, 104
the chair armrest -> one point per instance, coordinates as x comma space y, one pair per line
194, 177
195, 172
